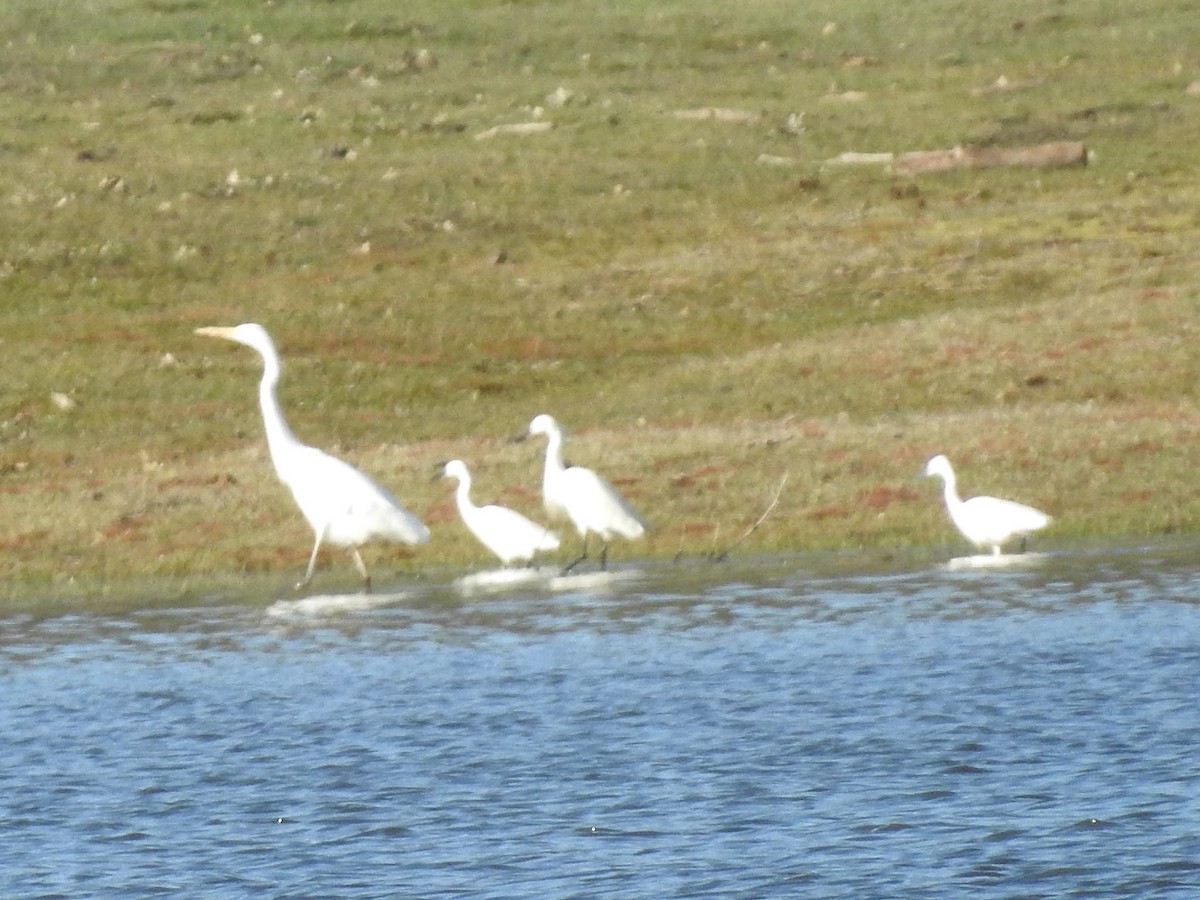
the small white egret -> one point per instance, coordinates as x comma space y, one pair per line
985, 521
579, 494
505, 532
344, 507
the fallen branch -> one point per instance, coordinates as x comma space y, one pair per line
518, 128
855, 158
1057, 153
724, 554
718, 114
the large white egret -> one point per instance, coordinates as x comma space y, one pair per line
579, 494
985, 521
504, 531
344, 507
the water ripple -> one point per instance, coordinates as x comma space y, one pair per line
779, 727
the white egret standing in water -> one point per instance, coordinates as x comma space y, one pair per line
507, 533
985, 521
344, 507
579, 494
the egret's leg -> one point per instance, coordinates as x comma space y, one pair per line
312, 561
582, 556
362, 570
604, 556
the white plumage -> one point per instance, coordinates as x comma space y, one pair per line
345, 507
985, 521
504, 531
579, 494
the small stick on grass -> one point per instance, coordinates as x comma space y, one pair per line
724, 554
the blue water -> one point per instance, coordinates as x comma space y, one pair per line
765, 728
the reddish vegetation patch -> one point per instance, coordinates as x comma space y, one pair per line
416, 359
1156, 294
687, 479
1149, 411
695, 528
263, 560
127, 527
960, 351
211, 526
441, 512
865, 466
911, 457
196, 481
1091, 343
25, 541
531, 347
881, 496
1009, 350
524, 492
1140, 496
832, 511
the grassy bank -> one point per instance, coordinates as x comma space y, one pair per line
704, 302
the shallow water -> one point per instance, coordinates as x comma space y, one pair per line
764, 728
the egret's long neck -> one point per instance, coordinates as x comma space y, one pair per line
950, 490
279, 436
554, 461
462, 494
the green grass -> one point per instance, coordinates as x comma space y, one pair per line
703, 318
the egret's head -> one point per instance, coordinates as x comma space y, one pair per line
543, 424
938, 467
251, 334
455, 468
